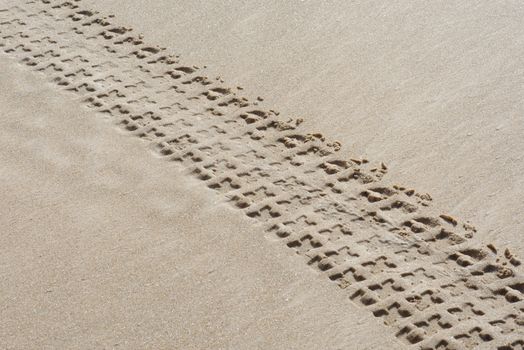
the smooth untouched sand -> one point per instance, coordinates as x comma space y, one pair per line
149, 204
106, 247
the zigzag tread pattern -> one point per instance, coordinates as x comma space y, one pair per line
421, 272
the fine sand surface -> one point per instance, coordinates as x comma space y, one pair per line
106, 247
433, 89
150, 203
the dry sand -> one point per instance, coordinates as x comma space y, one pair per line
106, 247
432, 89
149, 205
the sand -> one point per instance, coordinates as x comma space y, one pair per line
112, 248
433, 90
151, 204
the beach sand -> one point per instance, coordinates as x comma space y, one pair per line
434, 90
107, 247
207, 184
